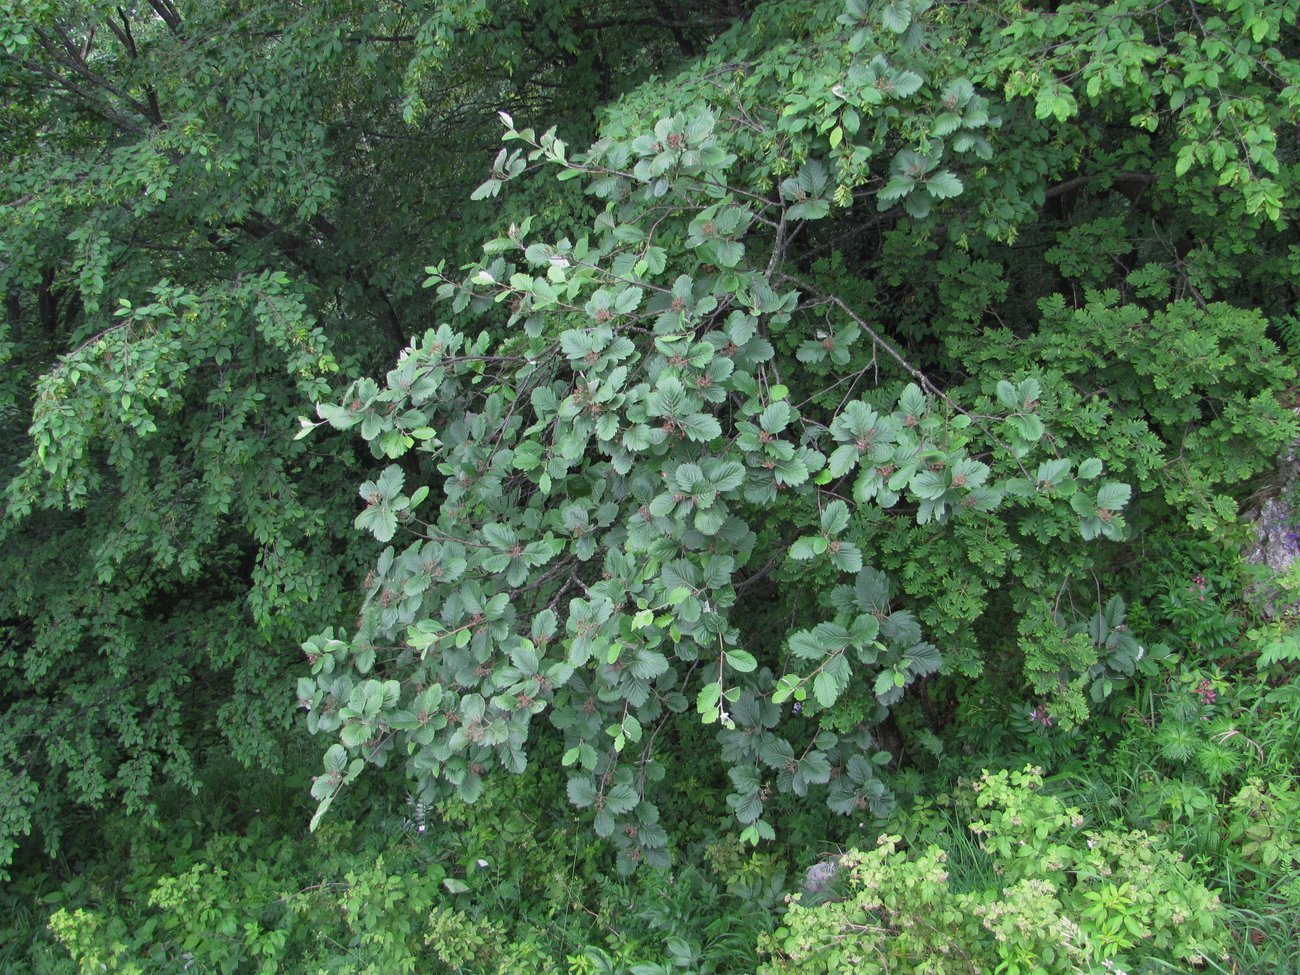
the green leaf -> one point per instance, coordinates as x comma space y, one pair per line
917, 206
805, 645
1089, 469
1027, 426
1113, 495
709, 521
727, 253
943, 185
582, 790
884, 685
1055, 101
826, 689
904, 84
912, 402
620, 799
834, 518
379, 521
929, 485
785, 688
776, 417
895, 189
741, 661
808, 547
336, 759
847, 557
700, 427
896, 16
708, 697
485, 190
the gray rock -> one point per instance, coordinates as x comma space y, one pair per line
820, 876
1277, 531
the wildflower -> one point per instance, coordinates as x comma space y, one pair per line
1205, 691
1040, 715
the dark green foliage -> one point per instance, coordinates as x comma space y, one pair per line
646, 413
505, 886
809, 408
200, 234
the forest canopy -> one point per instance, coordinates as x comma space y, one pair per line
812, 405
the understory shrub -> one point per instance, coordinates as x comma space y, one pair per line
1063, 898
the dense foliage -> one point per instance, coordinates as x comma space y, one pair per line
209, 215
681, 383
772, 426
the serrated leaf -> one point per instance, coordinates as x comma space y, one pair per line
700, 427
486, 189
775, 418
884, 685
843, 459
1027, 426
943, 185
826, 689
835, 517
808, 547
904, 84
917, 205
582, 791
604, 823
847, 557
872, 591
895, 189
709, 521
727, 253
336, 758
746, 807
815, 767
923, 658
726, 476
379, 521
1006, 394
805, 645
912, 402
621, 799
896, 16
1090, 469
1113, 495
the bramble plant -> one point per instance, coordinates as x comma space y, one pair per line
611, 447
636, 421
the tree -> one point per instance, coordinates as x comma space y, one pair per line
886, 315
200, 233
